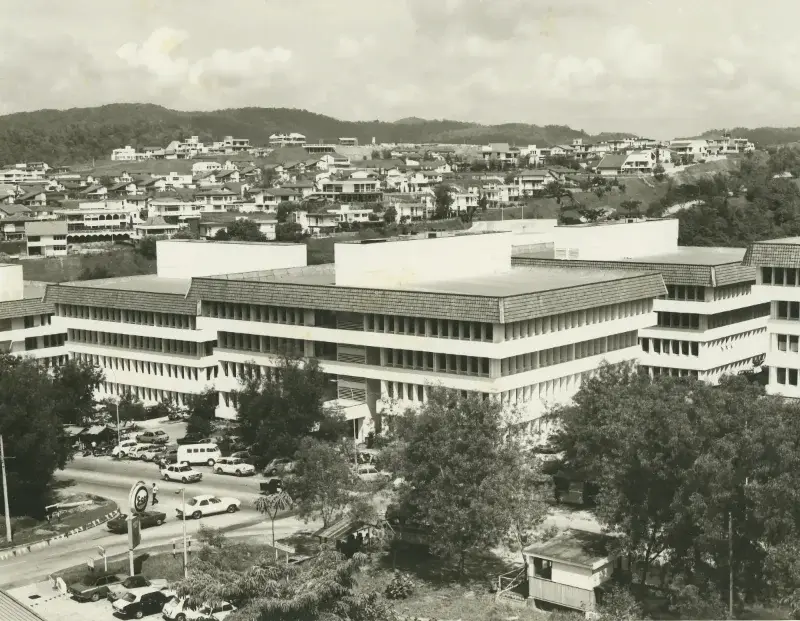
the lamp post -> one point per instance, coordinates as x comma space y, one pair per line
5, 491
119, 441
182, 492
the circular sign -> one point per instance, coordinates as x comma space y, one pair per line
139, 497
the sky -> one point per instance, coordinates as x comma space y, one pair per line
659, 69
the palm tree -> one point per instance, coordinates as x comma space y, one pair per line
271, 505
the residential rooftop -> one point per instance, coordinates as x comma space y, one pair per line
574, 547
684, 255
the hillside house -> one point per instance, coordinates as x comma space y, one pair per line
316, 224
46, 238
501, 152
211, 223
611, 165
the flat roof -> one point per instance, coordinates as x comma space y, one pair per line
148, 283
33, 289
523, 279
574, 547
780, 240
695, 255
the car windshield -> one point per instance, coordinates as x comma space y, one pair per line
129, 597
184, 469
192, 502
235, 460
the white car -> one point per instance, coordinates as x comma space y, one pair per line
201, 506
124, 448
368, 472
138, 451
152, 453
234, 465
177, 609
180, 472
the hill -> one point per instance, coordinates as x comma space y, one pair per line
761, 136
78, 135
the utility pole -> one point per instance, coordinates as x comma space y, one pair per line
118, 435
730, 565
5, 491
182, 492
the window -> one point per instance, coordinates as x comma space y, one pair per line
793, 343
695, 348
793, 377
781, 373
645, 344
782, 342
34, 238
783, 310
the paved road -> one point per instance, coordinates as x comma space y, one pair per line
113, 479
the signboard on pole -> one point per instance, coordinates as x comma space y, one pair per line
134, 535
139, 497
90, 564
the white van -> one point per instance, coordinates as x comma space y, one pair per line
199, 454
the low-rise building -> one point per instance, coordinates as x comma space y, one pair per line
46, 238
125, 154
26, 327
316, 224
212, 223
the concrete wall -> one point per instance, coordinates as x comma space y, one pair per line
573, 576
515, 226
623, 240
403, 262
181, 258
11, 287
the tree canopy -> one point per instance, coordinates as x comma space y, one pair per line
321, 481
677, 459
242, 229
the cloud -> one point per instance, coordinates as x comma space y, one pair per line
158, 56
350, 47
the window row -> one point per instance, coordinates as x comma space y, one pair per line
685, 321
787, 342
670, 346
245, 370
686, 293
576, 319
254, 312
653, 371
261, 344
786, 310
732, 291
437, 363
145, 394
145, 343
734, 338
417, 326
566, 353
142, 318
230, 399
783, 276
149, 368
555, 390
738, 316
34, 321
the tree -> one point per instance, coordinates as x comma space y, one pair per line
276, 413
271, 505
187, 232
284, 210
241, 230
202, 411
263, 587
630, 208
390, 215
591, 214
289, 232
483, 202
375, 155
76, 382
463, 473
30, 404
442, 201
322, 480
268, 177
619, 604
131, 409
659, 173
147, 247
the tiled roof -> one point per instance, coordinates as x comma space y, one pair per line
428, 303
673, 273
783, 252
13, 610
613, 160
46, 227
128, 299
14, 210
31, 304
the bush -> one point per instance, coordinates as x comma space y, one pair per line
401, 586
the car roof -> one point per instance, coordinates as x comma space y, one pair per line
204, 497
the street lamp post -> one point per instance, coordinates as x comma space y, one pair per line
5, 491
182, 492
119, 441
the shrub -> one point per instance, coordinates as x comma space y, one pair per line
401, 586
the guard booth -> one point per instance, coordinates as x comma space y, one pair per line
568, 570
351, 536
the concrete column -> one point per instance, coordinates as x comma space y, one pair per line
495, 368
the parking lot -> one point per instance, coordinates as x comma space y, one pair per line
46, 601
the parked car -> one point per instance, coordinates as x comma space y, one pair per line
153, 437
138, 581
368, 472
201, 506
245, 455
119, 524
273, 485
178, 609
282, 465
182, 473
153, 453
93, 588
140, 603
137, 452
194, 438
123, 448
234, 465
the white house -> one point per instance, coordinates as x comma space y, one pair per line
126, 154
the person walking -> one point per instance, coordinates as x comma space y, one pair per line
155, 494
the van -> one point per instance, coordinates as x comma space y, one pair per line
199, 454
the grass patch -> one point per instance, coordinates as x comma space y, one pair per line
118, 261
28, 530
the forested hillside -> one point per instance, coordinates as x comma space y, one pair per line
80, 134
745, 205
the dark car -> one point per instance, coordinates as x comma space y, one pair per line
152, 437
141, 603
147, 519
93, 588
137, 581
282, 465
273, 485
194, 438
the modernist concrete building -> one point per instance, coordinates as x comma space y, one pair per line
26, 326
777, 266
142, 331
709, 323
391, 318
